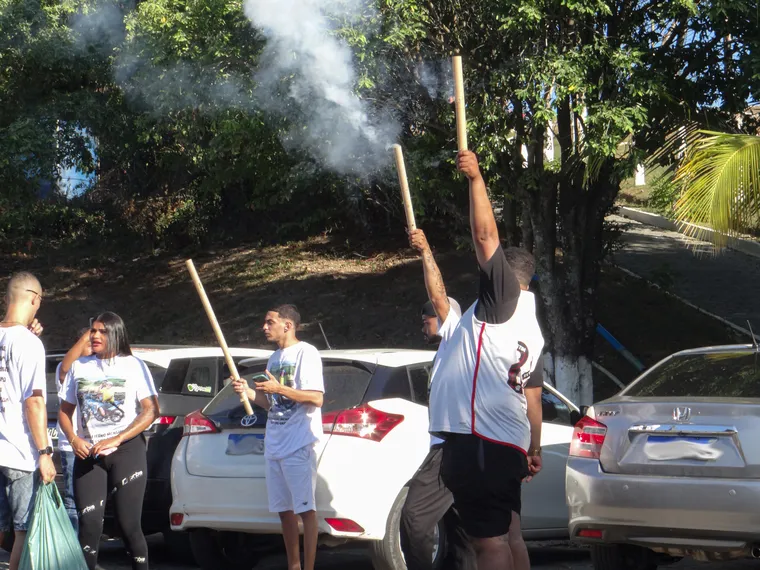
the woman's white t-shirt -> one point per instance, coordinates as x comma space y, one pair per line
107, 393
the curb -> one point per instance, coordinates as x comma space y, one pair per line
745, 246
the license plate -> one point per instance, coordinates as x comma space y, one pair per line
245, 444
669, 438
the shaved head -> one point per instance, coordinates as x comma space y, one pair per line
22, 286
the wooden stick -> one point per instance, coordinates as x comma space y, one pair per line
456, 64
217, 331
404, 183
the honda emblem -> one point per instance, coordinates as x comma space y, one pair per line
681, 414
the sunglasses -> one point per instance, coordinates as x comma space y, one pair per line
35, 292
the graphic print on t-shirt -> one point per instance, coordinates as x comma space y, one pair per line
101, 405
282, 408
516, 378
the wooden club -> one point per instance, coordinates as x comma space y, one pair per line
404, 183
217, 331
456, 64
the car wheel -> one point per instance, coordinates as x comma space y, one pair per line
387, 554
8, 540
622, 557
178, 545
230, 550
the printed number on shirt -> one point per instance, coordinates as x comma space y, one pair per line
516, 379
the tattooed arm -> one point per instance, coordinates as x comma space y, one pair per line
433, 281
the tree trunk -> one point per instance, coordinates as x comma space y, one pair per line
526, 240
572, 375
566, 218
509, 219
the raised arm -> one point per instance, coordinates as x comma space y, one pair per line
433, 281
72, 356
485, 233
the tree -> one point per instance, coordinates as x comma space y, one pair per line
593, 74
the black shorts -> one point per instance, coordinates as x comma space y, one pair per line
485, 479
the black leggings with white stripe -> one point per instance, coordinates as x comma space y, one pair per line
122, 476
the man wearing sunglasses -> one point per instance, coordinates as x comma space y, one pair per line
24, 443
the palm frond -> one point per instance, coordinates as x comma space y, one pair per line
720, 175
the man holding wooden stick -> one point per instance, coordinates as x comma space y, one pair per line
428, 500
478, 403
293, 395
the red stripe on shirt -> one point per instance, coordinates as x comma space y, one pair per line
504, 443
475, 376
472, 399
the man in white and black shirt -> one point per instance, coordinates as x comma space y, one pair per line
479, 403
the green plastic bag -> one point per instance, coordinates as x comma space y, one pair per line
51, 543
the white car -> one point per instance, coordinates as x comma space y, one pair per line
375, 422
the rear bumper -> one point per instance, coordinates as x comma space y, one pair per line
674, 515
242, 503
242, 506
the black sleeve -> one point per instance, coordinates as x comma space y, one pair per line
499, 290
536, 378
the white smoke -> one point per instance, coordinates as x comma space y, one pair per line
437, 78
307, 74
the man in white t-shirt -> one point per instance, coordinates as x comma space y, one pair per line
23, 415
478, 399
293, 396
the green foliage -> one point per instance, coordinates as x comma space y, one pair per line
665, 192
167, 90
721, 176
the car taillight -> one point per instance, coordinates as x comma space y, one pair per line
196, 423
588, 437
344, 525
165, 421
365, 422
591, 533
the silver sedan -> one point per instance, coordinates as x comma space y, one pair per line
670, 467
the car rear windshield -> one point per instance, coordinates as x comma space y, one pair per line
718, 374
345, 386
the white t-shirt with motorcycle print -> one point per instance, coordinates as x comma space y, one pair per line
290, 425
107, 393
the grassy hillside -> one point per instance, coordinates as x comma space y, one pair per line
364, 296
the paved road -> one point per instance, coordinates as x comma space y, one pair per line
112, 557
557, 557
722, 284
